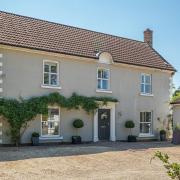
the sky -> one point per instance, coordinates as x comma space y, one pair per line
125, 18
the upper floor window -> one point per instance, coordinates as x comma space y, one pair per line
51, 73
146, 84
103, 77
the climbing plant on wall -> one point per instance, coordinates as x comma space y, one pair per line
19, 112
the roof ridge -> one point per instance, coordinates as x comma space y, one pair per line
75, 27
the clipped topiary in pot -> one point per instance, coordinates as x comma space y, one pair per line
35, 139
162, 134
77, 123
129, 124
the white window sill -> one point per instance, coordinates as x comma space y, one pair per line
103, 91
51, 137
146, 135
50, 87
149, 95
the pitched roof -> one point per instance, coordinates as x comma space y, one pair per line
22, 31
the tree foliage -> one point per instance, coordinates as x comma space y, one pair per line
176, 95
173, 169
19, 112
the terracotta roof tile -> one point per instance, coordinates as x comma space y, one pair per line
21, 31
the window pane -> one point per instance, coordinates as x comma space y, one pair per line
147, 88
45, 128
142, 117
99, 84
148, 117
46, 78
54, 114
99, 73
44, 117
105, 74
53, 68
53, 79
46, 68
104, 84
142, 88
145, 128
142, 78
148, 79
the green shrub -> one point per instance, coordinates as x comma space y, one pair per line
78, 123
35, 134
129, 124
173, 169
162, 132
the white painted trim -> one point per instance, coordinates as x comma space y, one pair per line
102, 91
85, 59
146, 135
1, 55
50, 87
1, 81
111, 106
1, 90
58, 79
1, 64
148, 95
1, 72
95, 137
51, 138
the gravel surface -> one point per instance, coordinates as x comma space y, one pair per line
105, 160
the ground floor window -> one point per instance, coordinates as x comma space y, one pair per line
145, 122
50, 123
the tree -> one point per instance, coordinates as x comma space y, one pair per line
173, 169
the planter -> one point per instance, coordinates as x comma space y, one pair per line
76, 139
162, 137
176, 137
132, 138
35, 141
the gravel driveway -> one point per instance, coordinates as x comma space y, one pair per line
105, 160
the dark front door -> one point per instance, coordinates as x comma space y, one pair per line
104, 124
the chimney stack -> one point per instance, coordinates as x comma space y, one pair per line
148, 37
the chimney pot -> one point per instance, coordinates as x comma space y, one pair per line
148, 36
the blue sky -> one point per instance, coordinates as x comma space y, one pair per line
127, 18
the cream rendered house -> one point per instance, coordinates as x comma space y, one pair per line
39, 57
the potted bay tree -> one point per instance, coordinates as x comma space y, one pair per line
77, 123
129, 124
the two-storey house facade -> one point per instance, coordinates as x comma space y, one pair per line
38, 57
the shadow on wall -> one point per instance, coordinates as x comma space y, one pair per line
29, 152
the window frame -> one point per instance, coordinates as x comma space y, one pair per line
101, 89
144, 84
57, 74
51, 136
151, 123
